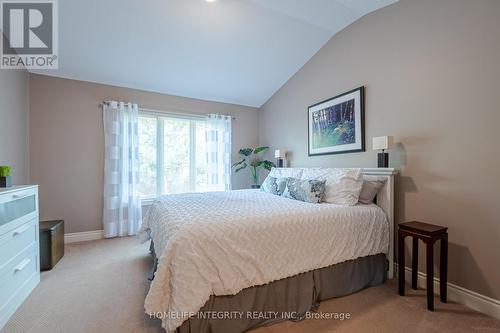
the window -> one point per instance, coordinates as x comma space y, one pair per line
172, 155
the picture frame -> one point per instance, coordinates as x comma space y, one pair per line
337, 125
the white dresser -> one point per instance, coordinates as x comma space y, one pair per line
19, 248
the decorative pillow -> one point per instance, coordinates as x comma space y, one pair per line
308, 190
371, 186
286, 172
342, 186
273, 185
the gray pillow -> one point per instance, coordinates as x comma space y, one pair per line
308, 190
370, 188
273, 185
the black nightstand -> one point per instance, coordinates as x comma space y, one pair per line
429, 234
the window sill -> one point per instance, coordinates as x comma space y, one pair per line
147, 202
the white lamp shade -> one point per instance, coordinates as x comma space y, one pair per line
278, 153
383, 142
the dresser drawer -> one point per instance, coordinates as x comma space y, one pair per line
17, 273
17, 207
16, 240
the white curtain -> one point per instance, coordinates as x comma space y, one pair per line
218, 140
122, 215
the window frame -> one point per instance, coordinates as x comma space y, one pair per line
160, 147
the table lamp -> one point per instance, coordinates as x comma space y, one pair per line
382, 143
279, 155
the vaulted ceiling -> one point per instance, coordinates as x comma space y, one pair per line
235, 51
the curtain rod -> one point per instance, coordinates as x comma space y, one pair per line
172, 111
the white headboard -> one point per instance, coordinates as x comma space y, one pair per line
385, 200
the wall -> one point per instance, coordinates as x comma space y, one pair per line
67, 143
14, 116
432, 75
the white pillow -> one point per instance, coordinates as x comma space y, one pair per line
273, 185
371, 186
286, 173
342, 185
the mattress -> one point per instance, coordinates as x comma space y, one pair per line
219, 243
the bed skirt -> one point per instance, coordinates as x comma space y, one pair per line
286, 299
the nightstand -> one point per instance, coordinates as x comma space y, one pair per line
429, 234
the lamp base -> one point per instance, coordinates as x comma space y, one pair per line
6, 181
279, 162
383, 160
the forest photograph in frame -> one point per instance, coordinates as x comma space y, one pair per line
337, 125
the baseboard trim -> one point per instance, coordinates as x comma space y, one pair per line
83, 236
469, 298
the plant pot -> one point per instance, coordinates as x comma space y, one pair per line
255, 186
6, 181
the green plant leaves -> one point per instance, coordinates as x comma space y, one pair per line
240, 165
243, 166
254, 162
246, 151
5, 171
260, 149
266, 164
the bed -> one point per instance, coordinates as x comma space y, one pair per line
225, 256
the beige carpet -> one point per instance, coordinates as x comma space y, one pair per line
100, 286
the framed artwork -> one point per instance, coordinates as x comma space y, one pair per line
337, 125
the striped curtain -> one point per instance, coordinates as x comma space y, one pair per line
218, 143
122, 215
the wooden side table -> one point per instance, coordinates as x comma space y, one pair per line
429, 234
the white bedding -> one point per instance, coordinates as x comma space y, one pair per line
219, 243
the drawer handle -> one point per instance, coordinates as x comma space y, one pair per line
17, 196
20, 230
22, 265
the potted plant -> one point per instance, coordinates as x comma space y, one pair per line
5, 177
251, 158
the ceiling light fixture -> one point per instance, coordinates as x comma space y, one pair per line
210, 0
